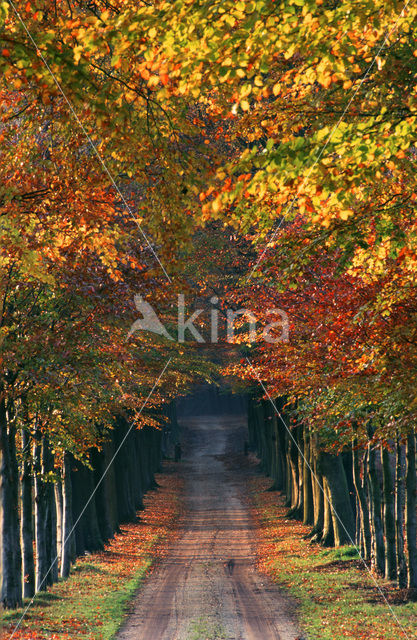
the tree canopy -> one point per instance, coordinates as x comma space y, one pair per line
257, 151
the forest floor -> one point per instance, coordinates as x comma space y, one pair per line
208, 587
91, 604
338, 598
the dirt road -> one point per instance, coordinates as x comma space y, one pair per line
208, 588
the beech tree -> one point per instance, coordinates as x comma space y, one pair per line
135, 137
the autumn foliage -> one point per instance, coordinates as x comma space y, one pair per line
263, 152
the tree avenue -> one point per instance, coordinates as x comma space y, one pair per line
261, 152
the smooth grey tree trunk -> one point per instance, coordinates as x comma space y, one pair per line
10, 553
300, 460
274, 453
280, 445
41, 518
268, 431
125, 490
399, 514
101, 497
308, 503
253, 434
138, 474
59, 516
89, 520
341, 510
327, 539
51, 517
110, 483
365, 528
68, 550
389, 516
262, 443
296, 510
378, 547
26, 521
288, 474
410, 510
87, 531
318, 491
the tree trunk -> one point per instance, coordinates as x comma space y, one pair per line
26, 522
348, 467
269, 444
410, 511
308, 504
365, 529
300, 460
271, 441
278, 474
252, 431
261, 430
135, 471
327, 539
68, 544
358, 533
399, 515
59, 518
144, 461
125, 498
51, 520
389, 516
41, 507
94, 541
102, 502
318, 494
157, 450
138, 474
10, 554
148, 452
288, 475
341, 510
84, 514
378, 548
296, 510
110, 485
280, 431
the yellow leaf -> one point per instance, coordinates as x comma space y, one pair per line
216, 205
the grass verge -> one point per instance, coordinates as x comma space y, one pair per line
337, 597
91, 604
